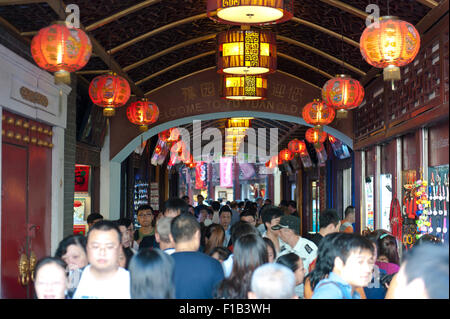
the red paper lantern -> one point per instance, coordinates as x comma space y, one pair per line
164, 135
315, 136
286, 155
109, 91
343, 93
60, 49
389, 43
143, 113
297, 146
318, 113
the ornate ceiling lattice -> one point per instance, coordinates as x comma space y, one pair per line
316, 24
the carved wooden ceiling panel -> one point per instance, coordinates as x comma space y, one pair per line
34, 16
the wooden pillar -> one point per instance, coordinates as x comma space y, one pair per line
299, 188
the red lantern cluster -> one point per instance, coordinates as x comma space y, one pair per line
109, 91
297, 146
343, 93
60, 49
143, 113
286, 155
318, 113
315, 136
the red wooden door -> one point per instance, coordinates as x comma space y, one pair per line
26, 200
14, 213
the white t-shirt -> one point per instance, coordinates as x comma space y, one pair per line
117, 287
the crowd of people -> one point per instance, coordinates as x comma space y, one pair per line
237, 251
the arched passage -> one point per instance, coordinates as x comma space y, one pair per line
115, 162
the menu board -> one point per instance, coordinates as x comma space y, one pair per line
154, 196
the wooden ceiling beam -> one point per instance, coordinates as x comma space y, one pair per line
204, 15
304, 64
321, 53
121, 14
19, 2
428, 3
156, 31
173, 66
213, 67
168, 50
326, 31
59, 7
347, 8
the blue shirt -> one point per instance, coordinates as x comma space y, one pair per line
196, 275
334, 287
375, 290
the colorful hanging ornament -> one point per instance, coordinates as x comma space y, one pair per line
318, 114
109, 91
389, 44
297, 146
143, 113
342, 93
246, 52
60, 49
315, 136
286, 155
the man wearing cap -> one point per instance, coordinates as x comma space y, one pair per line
291, 242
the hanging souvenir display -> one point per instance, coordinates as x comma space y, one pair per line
409, 226
439, 200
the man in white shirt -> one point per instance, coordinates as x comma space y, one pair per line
289, 227
103, 278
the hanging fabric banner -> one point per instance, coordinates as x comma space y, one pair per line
226, 172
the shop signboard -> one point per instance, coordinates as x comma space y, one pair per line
82, 178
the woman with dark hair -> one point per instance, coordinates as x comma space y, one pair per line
388, 258
72, 250
220, 253
344, 263
51, 278
213, 237
294, 263
151, 275
250, 252
271, 251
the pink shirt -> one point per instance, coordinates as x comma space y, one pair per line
390, 268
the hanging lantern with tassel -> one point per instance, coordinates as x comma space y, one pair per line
286, 155
342, 93
318, 114
143, 113
389, 44
109, 91
315, 136
297, 146
60, 49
